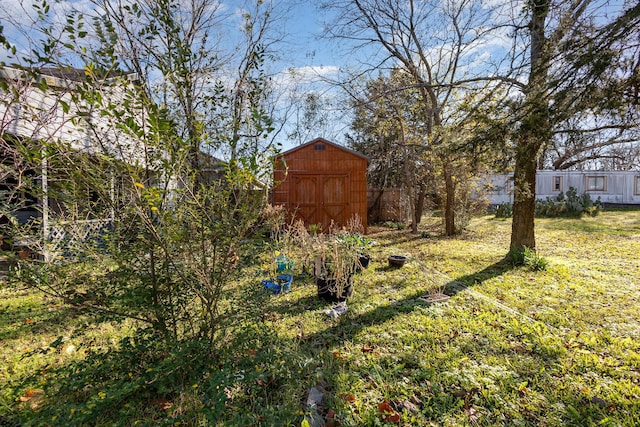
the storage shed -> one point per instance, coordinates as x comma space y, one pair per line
321, 182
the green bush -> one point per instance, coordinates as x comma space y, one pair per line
504, 210
570, 205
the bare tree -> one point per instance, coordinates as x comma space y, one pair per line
436, 45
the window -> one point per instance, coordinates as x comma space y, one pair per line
636, 187
557, 183
510, 185
319, 147
596, 183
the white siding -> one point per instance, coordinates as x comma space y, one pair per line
50, 114
619, 186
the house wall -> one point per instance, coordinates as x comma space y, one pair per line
48, 113
615, 187
322, 181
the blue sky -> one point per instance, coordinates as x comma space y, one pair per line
301, 49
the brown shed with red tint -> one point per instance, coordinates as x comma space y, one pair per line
322, 182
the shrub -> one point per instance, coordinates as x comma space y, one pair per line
528, 257
570, 205
504, 210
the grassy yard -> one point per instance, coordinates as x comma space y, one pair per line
510, 347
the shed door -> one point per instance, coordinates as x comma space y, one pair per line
321, 199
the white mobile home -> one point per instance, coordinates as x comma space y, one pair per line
614, 187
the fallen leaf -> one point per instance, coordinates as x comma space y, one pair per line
348, 397
384, 407
33, 397
416, 401
162, 403
392, 418
389, 415
337, 355
331, 421
28, 321
367, 349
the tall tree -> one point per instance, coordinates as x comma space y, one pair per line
435, 43
389, 127
208, 85
595, 104
558, 55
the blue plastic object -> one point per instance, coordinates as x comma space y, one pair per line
281, 285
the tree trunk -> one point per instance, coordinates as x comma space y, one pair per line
449, 204
534, 132
524, 200
420, 203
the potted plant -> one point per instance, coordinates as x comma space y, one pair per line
336, 261
364, 245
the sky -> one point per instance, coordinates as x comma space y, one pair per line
304, 58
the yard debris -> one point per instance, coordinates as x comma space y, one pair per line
312, 409
409, 406
367, 348
434, 297
33, 397
337, 310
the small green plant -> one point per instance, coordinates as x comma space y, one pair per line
397, 225
528, 257
315, 229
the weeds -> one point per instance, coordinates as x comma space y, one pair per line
528, 257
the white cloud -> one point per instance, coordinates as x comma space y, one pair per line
307, 74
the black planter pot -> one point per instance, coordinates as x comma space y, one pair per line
364, 261
328, 292
397, 261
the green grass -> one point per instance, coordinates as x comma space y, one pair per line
510, 347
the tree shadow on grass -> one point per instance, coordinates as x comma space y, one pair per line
492, 271
386, 312
349, 327
157, 370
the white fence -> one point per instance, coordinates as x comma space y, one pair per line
64, 236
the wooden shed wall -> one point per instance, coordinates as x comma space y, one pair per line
320, 184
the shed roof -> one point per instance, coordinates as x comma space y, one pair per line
325, 141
